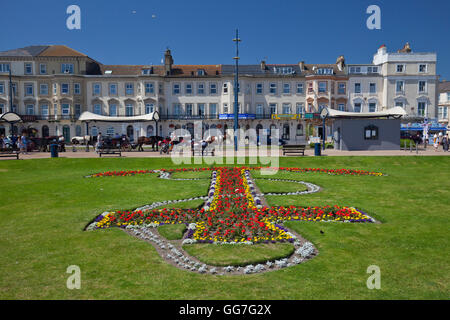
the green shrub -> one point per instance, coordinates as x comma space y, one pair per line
408, 143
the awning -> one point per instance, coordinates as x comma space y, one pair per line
396, 112
89, 116
10, 117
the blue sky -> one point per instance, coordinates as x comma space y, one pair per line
201, 32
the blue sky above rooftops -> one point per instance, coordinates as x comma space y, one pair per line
201, 32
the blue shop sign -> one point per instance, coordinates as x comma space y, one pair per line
241, 116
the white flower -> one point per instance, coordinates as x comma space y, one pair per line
188, 241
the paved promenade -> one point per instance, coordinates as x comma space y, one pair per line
308, 153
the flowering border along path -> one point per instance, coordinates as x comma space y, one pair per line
234, 212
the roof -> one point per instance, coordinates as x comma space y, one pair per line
191, 70
274, 69
60, 51
444, 86
89, 116
10, 117
30, 51
43, 51
392, 112
177, 70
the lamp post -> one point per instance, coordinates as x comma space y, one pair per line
156, 119
324, 115
236, 91
87, 134
11, 100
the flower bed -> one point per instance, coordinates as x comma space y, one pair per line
233, 212
319, 170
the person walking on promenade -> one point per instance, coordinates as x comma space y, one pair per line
445, 142
435, 142
23, 143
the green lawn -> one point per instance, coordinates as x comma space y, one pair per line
45, 205
241, 255
172, 231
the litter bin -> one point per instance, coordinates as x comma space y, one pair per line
54, 150
317, 150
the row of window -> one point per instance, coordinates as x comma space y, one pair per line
372, 87
113, 89
401, 68
400, 86
43, 88
259, 88
200, 90
28, 68
363, 69
113, 109
44, 109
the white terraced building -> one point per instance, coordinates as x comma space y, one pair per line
53, 85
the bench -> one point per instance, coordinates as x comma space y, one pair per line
294, 148
205, 152
110, 152
9, 154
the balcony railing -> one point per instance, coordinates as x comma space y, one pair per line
34, 118
188, 116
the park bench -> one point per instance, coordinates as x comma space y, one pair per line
207, 151
9, 154
294, 148
110, 151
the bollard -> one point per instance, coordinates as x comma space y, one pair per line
417, 148
404, 145
410, 146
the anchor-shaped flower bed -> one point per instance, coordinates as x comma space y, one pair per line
234, 212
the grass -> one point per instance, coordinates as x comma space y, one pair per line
267, 186
239, 255
193, 204
172, 231
45, 205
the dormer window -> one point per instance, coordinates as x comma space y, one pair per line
201, 72
325, 71
355, 69
146, 71
108, 72
283, 70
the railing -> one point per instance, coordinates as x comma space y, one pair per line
34, 118
188, 116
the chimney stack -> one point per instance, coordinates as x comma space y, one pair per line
340, 62
301, 64
168, 62
263, 65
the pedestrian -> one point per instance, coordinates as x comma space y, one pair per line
99, 143
435, 142
445, 142
23, 143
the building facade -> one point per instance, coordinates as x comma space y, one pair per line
444, 104
53, 85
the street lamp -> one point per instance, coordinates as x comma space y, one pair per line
236, 91
324, 115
